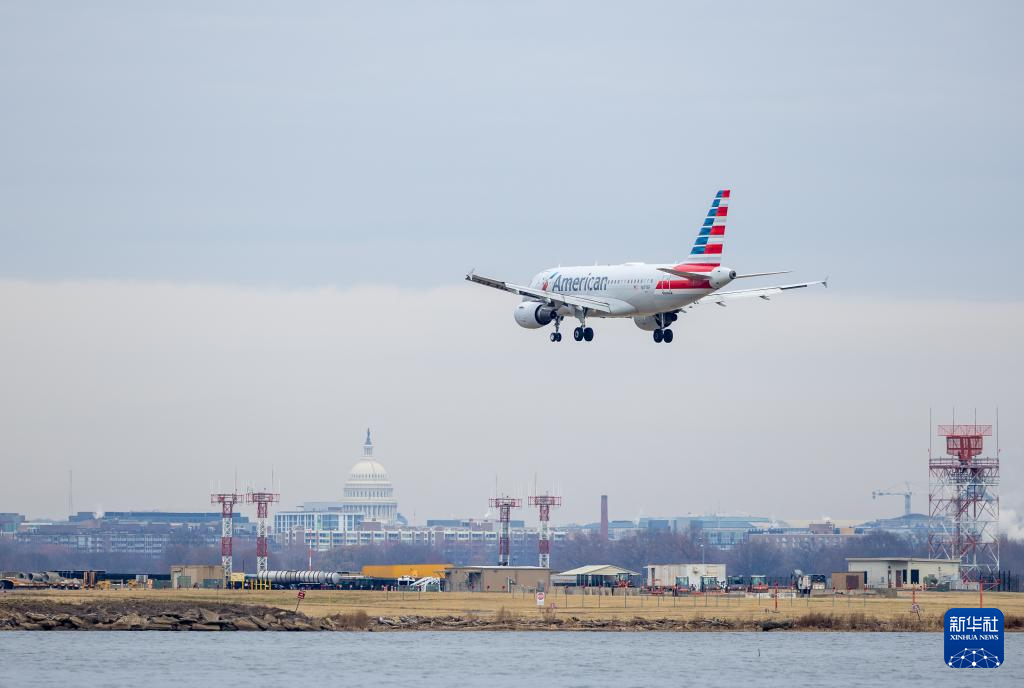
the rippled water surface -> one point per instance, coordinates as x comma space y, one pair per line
492, 659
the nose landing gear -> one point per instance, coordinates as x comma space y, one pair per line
556, 336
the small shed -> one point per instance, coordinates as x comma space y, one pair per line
845, 581
496, 578
197, 576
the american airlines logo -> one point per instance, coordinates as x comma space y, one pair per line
563, 285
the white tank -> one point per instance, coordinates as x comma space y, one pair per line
300, 577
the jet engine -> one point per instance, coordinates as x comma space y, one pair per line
533, 314
655, 322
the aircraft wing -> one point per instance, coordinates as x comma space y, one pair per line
720, 297
548, 297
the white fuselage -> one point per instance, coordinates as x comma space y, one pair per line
631, 289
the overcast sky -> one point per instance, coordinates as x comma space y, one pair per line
232, 235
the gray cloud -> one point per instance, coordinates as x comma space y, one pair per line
342, 143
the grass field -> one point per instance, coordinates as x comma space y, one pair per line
489, 605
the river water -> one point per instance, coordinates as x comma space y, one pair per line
491, 659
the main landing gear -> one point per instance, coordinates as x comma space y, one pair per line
663, 334
583, 334
580, 334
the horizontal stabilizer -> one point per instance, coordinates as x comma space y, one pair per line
763, 274
685, 274
720, 297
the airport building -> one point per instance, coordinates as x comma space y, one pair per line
496, 579
899, 572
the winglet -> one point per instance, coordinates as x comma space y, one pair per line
824, 282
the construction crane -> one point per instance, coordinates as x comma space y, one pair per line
889, 493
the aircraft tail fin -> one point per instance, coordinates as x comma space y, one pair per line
707, 249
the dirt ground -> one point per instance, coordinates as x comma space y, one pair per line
320, 603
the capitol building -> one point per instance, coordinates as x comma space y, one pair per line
368, 490
367, 503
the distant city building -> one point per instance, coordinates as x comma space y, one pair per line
720, 531
9, 524
171, 518
146, 533
470, 523
907, 524
715, 530
803, 537
467, 534
616, 530
148, 541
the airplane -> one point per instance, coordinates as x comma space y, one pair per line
652, 294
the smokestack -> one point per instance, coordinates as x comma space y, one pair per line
604, 517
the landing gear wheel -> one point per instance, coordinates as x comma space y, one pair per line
588, 333
658, 336
577, 334
667, 336
556, 337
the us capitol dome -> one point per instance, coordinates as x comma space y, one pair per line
368, 490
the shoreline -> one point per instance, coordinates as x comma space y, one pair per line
207, 616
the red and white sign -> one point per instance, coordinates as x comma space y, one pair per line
540, 599
302, 594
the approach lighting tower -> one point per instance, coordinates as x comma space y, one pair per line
545, 502
262, 500
963, 502
504, 505
227, 501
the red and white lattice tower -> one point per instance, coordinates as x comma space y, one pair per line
262, 500
504, 505
227, 501
545, 502
963, 502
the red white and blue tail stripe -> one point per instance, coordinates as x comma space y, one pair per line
707, 249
